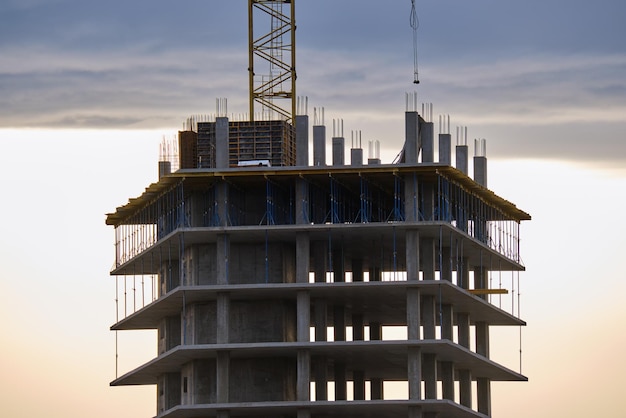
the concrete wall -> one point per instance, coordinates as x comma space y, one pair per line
200, 325
247, 263
270, 379
262, 321
169, 333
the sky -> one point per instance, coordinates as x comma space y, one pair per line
89, 89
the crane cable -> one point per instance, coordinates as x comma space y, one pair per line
415, 23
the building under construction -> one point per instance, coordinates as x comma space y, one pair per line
286, 286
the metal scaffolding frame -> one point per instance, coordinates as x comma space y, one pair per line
272, 58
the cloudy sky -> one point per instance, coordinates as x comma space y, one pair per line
88, 89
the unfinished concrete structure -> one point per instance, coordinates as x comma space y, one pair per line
284, 289
274, 285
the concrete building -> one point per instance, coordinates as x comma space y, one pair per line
276, 286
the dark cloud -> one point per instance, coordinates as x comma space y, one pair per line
538, 66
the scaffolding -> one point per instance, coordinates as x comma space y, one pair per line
327, 197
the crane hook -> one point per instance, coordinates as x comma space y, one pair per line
415, 23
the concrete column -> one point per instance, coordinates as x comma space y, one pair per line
341, 389
462, 155
304, 413
359, 385
483, 396
413, 314
429, 317
480, 170
447, 380
376, 384
319, 145
411, 144
428, 142
463, 325
356, 156
447, 322
339, 157
427, 248
302, 140
222, 258
375, 274
358, 334
429, 374
221, 142
357, 270
319, 363
482, 338
465, 387
303, 385
221, 197
304, 316
320, 254
445, 149
321, 379
223, 366
339, 324
320, 320
303, 257
414, 360
223, 318
358, 329
447, 368
412, 254
415, 412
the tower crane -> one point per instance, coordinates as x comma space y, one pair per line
272, 57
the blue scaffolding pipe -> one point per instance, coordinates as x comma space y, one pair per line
334, 201
305, 204
365, 204
270, 206
397, 213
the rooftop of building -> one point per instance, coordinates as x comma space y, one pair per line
347, 174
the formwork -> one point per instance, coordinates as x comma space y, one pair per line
272, 141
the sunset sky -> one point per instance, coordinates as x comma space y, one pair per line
88, 90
